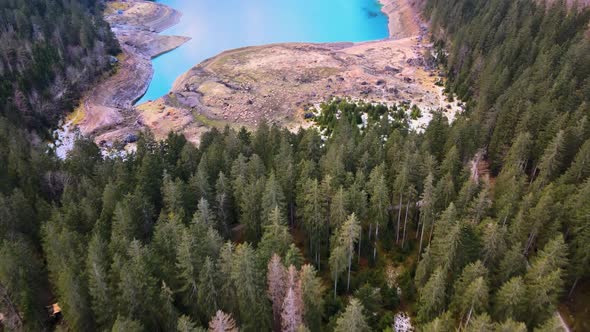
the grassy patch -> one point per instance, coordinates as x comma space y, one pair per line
112, 7
211, 123
77, 115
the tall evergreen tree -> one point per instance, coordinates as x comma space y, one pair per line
352, 319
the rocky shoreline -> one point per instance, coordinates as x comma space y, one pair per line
281, 82
241, 87
108, 112
403, 16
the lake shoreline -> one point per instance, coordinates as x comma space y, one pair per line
107, 109
109, 113
403, 18
281, 82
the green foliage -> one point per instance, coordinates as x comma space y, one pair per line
52, 50
353, 318
114, 241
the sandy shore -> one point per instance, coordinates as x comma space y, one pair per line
404, 18
108, 112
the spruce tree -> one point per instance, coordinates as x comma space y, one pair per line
352, 319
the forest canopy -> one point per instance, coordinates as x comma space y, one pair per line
481, 224
50, 52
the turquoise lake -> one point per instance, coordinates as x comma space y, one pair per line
218, 25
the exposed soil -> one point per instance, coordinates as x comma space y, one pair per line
404, 17
280, 82
108, 111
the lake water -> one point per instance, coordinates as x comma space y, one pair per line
218, 25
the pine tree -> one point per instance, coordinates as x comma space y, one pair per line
400, 185
249, 284
199, 182
475, 299
338, 212
99, 280
166, 314
544, 280
227, 290
173, 196
294, 256
123, 324
551, 161
292, 280
379, 201
276, 238
441, 323
285, 172
512, 264
432, 296
427, 208
20, 284
470, 292
137, 285
312, 295
579, 170
167, 234
479, 323
187, 265
552, 324
126, 225
292, 311
208, 289
204, 214
352, 319
272, 198
313, 217
424, 269
480, 206
223, 203
222, 322
276, 279
357, 197
65, 261
338, 263
348, 235
511, 300
541, 220
518, 155
250, 208
494, 243
580, 250
185, 324
510, 326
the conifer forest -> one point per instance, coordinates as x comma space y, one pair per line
359, 223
